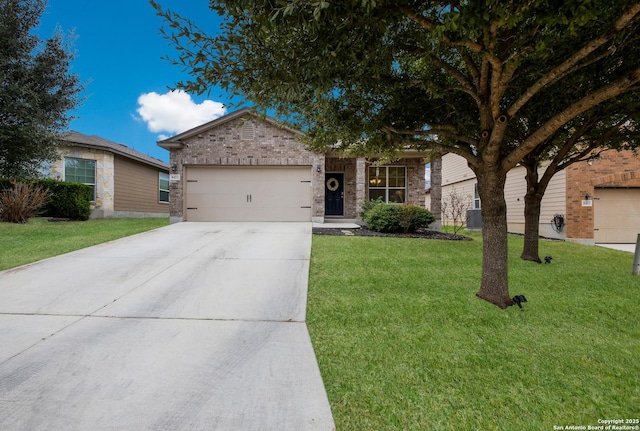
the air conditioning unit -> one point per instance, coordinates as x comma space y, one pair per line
474, 219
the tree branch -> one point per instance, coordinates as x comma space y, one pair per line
444, 131
430, 25
467, 86
471, 66
615, 88
628, 15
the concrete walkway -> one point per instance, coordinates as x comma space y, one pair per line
631, 248
195, 326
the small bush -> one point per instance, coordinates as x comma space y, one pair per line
397, 218
23, 201
369, 205
68, 200
413, 217
384, 218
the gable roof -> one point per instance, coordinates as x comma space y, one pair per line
177, 141
78, 139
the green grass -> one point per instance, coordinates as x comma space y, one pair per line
39, 238
404, 344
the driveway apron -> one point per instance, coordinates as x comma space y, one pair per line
194, 326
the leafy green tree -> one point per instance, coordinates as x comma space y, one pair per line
36, 89
610, 126
377, 76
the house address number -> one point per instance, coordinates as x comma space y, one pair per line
174, 177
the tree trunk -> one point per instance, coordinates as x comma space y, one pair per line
495, 275
532, 205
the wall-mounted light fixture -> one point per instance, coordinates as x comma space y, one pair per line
587, 197
174, 167
318, 168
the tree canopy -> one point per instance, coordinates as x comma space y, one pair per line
37, 89
613, 125
476, 78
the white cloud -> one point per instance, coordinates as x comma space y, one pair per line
175, 111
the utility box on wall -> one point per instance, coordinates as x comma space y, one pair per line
474, 219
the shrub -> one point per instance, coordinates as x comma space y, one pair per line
397, 218
369, 205
413, 217
384, 218
68, 200
23, 201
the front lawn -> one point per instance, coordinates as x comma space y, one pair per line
39, 238
404, 344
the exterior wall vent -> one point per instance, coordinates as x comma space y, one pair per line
248, 131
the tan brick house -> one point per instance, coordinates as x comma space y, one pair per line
125, 183
589, 202
246, 167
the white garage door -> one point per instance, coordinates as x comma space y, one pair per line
248, 193
617, 215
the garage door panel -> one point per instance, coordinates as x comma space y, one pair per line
217, 186
282, 194
216, 200
248, 193
617, 215
249, 214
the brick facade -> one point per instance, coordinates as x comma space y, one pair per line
246, 139
348, 167
415, 180
355, 181
222, 145
611, 169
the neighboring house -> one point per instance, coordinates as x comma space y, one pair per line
245, 167
125, 182
588, 202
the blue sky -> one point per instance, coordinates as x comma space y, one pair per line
118, 57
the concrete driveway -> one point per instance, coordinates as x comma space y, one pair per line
194, 326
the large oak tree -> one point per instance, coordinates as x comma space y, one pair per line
37, 89
375, 76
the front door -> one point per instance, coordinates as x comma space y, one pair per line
334, 194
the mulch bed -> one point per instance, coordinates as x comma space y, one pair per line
363, 231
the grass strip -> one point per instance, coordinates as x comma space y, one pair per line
39, 239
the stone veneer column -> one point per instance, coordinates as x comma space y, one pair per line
436, 192
318, 168
361, 183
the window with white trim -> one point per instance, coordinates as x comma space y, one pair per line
388, 182
163, 187
476, 197
81, 171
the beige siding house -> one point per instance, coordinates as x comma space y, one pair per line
126, 183
589, 202
245, 167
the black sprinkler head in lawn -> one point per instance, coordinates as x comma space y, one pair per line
548, 259
519, 299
